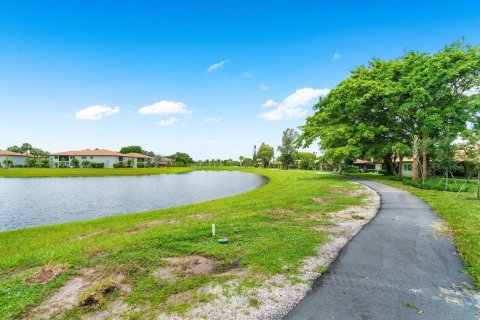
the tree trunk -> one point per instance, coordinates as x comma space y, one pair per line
424, 166
415, 158
400, 167
387, 161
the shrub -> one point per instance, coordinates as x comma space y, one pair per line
30, 162
75, 163
140, 165
118, 165
7, 163
85, 163
97, 165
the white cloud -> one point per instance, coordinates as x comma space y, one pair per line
263, 87
217, 65
212, 120
165, 107
336, 56
168, 122
269, 103
96, 112
212, 141
247, 74
293, 106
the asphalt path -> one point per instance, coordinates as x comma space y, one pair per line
401, 265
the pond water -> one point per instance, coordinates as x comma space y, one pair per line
28, 202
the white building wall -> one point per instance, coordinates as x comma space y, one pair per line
16, 160
107, 160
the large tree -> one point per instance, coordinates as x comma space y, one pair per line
404, 101
183, 158
287, 149
265, 153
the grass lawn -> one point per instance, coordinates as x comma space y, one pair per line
70, 172
270, 231
460, 211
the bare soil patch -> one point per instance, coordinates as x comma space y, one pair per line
66, 297
181, 298
189, 266
46, 274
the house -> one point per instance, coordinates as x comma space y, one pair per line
138, 158
17, 159
407, 166
107, 157
165, 162
367, 166
275, 164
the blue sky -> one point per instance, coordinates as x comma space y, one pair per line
211, 78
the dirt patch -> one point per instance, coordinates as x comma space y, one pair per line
279, 212
168, 274
440, 229
113, 311
46, 274
96, 294
189, 266
318, 200
181, 298
65, 298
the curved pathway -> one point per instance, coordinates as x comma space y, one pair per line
402, 265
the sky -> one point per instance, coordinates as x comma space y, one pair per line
210, 78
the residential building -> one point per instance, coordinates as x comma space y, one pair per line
107, 157
17, 159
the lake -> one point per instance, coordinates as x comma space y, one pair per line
29, 202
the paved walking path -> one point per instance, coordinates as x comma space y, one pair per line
400, 266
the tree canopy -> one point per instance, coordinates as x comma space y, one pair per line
287, 149
182, 158
265, 153
388, 108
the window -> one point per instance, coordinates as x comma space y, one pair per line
91, 157
84, 157
407, 167
56, 157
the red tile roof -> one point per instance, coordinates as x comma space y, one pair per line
137, 155
10, 153
87, 152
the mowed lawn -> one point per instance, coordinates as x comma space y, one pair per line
461, 212
270, 231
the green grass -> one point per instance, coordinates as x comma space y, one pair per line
265, 243
460, 211
70, 172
